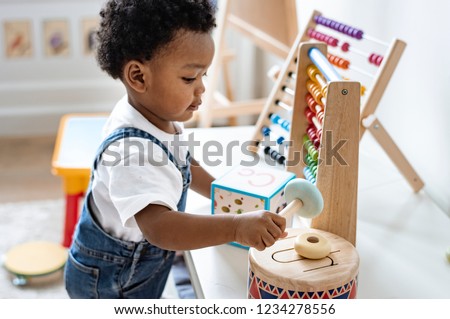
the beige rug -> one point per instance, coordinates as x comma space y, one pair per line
31, 221
36, 221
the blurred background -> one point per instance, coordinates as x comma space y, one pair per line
49, 70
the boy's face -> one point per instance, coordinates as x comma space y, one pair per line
176, 75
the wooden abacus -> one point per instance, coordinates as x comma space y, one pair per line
337, 122
385, 66
286, 274
278, 271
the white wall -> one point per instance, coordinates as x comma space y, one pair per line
415, 108
35, 91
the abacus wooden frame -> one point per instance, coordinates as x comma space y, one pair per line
369, 121
259, 26
337, 174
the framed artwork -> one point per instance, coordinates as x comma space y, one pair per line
56, 38
89, 28
17, 37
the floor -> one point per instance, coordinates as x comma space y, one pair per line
25, 176
25, 169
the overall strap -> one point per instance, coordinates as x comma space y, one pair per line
125, 132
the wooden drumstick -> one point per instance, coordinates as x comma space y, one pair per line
291, 208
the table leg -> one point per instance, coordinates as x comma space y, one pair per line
72, 208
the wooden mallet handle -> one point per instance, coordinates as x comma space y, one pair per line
291, 208
303, 198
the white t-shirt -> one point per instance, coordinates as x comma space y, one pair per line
134, 173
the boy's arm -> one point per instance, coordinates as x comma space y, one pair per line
201, 179
173, 230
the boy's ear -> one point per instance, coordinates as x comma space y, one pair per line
134, 74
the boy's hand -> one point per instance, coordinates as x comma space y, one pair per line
259, 229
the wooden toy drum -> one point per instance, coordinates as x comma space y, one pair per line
279, 272
33, 260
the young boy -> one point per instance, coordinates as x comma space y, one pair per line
133, 219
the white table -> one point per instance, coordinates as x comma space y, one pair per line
79, 135
402, 237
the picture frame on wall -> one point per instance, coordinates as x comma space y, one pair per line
56, 38
89, 27
18, 39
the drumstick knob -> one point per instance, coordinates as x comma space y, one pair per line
303, 198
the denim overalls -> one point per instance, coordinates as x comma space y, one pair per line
101, 266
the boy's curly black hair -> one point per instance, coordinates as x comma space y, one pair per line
139, 29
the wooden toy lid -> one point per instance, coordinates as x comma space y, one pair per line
282, 266
35, 258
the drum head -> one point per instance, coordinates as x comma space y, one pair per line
35, 259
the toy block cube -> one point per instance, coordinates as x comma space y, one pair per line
245, 189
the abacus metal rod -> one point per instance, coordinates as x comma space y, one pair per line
361, 71
373, 39
283, 105
288, 90
356, 69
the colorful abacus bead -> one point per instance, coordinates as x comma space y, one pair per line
276, 119
309, 115
312, 72
338, 61
313, 169
312, 133
312, 119
308, 175
340, 27
363, 90
375, 59
331, 41
276, 156
315, 76
280, 140
310, 148
265, 131
345, 47
312, 164
320, 115
315, 91
309, 161
312, 104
